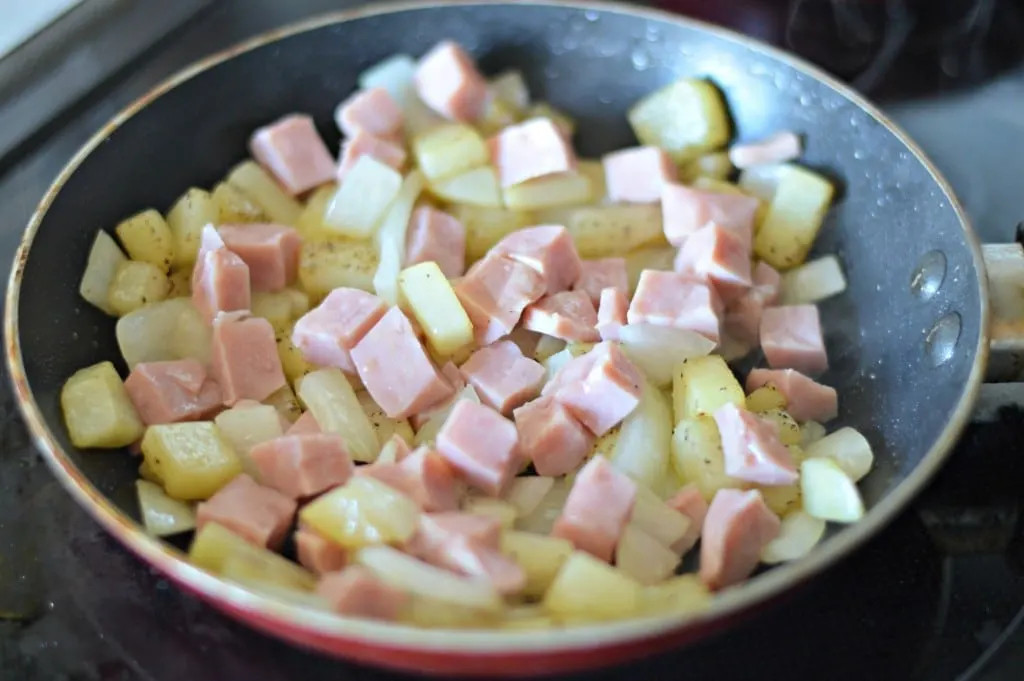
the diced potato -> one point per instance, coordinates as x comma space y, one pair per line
649, 258
428, 431
419, 118
594, 171
698, 458
526, 617
810, 432
798, 534
162, 515
434, 305
709, 184
327, 265
607, 231
310, 223
715, 165
233, 206
286, 404
527, 492
652, 515
221, 551
487, 226
542, 518
477, 187
645, 439
391, 238
247, 426
547, 346
362, 512
186, 219
105, 257
540, 556
257, 582
657, 350
643, 557
781, 499
383, 425
559, 189
504, 512
605, 445
180, 283
794, 217
275, 307
299, 301
449, 150
135, 284
789, 429
257, 185
828, 492
192, 337
97, 409
193, 459
703, 384
498, 114
587, 588
685, 118
813, 281
148, 474
848, 449
329, 395
172, 329
564, 122
359, 205
424, 611
147, 237
510, 87
765, 398
682, 594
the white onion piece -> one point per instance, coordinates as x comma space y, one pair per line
527, 492
105, 257
162, 515
644, 444
813, 281
643, 557
391, 237
658, 350
811, 432
829, 493
798, 534
848, 448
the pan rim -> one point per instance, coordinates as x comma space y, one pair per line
762, 589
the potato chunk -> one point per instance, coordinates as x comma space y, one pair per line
193, 459
449, 150
588, 589
97, 410
186, 219
105, 257
703, 384
249, 178
327, 265
685, 118
606, 231
436, 308
477, 187
221, 551
698, 458
235, 206
357, 208
559, 189
329, 395
541, 557
147, 237
362, 512
794, 217
487, 226
162, 515
136, 284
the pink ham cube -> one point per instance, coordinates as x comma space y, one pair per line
220, 278
791, 338
304, 425
597, 510
719, 256
317, 553
690, 502
300, 466
752, 448
258, 514
172, 391
437, 236
396, 370
547, 249
685, 210
737, 527
597, 275
767, 282
435, 528
481, 445
453, 375
356, 592
568, 315
611, 313
742, 319
292, 151
599, 388
637, 174
361, 144
373, 111
448, 82
270, 251
778, 148
245, 361
529, 150
424, 476
677, 300
494, 293
551, 437
806, 399
502, 376
326, 334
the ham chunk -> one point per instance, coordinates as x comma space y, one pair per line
435, 528
292, 151
599, 388
690, 502
530, 149
317, 553
791, 339
258, 514
361, 144
637, 174
568, 315
685, 210
742, 319
778, 148
502, 376
448, 82
737, 527
547, 249
220, 278
481, 445
597, 275
674, 299
611, 313
271, 252
395, 368
424, 476
304, 425
719, 256
597, 510
355, 591
373, 111
494, 293
245, 361
326, 334
752, 448
300, 466
551, 437
806, 400
453, 375
436, 235
172, 391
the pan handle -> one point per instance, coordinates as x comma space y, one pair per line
1005, 265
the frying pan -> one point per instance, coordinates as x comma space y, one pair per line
908, 340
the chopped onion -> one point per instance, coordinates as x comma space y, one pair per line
848, 448
798, 534
527, 492
644, 444
828, 492
657, 350
391, 238
105, 257
162, 515
813, 281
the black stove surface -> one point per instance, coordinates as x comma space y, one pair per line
938, 595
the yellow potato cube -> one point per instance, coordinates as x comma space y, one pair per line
147, 473
499, 509
299, 301
162, 515
135, 284
701, 385
275, 307
682, 594
293, 363
362, 512
97, 409
648, 258
477, 187
540, 556
105, 257
434, 305
487, 226
249, 178
789, 429
331, 398
594, 171
327, 265
186, 219
589, 589
247, 426
781, 499
221, 551
384, 425
310, 223
180, 281
510, 87
233, 206
498, 114
698, 458
449, 150
686, 118
559, 189
147, 237
765, 398
286, 404
794, 217
193, 459
607, 231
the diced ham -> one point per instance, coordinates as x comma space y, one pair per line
303, 465
453, 375
637, 174
547, 249
494, 293
424, 476
355, 591
396, 369
767, 282
551, 437
361, 144
373, 111
448, 82
737, 526
502, 376
304, 425
778, 148
436, 235
752, 448
597, 509
806, 399
690, 502
674, 299
172, 391
258, 514
291, 149
271, 253
791, 338
742, 319
435, 528
326, 334
568, 315
317, 553
481, 445
529, 150
600, 388
611, 313
220, 278
245, 361
685, 210
597, 275
719, 256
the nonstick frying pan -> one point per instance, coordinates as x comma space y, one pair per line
908, 340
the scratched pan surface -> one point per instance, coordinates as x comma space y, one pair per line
907, 387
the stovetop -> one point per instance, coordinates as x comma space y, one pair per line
939, 595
